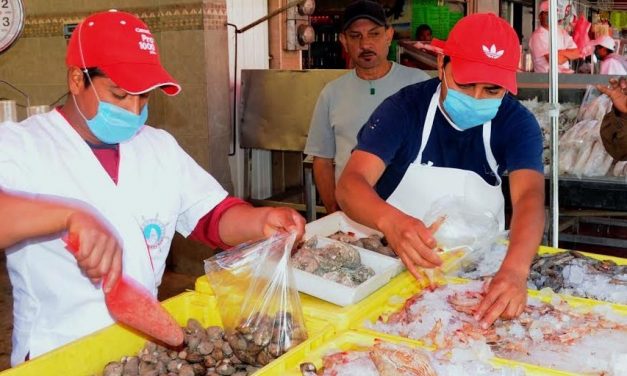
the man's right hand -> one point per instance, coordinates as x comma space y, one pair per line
617, 92
412, 241
99, 254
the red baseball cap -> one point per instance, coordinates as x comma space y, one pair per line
483, 48
120, 45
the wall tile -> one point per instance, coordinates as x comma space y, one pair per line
182, 52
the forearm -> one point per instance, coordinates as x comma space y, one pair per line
526, 231
359, 200
23, 218
242, 223
567, 55
324, 176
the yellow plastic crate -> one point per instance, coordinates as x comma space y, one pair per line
339, 317
289, 365
406, 286
549, 250
313, 308
89, 355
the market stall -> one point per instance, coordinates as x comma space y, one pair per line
340, 302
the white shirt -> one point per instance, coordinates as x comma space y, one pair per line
160, 190
539, 45
344, 106
614, 64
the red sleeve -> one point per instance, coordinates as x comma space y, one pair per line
207, 229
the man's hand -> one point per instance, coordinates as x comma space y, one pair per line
99, 254
617, 92
506, 297
412, 241
283, 219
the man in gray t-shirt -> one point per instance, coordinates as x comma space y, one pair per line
345, 104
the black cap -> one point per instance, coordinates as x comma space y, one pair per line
363, 9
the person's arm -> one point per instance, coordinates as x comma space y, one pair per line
242, 223
507, 293
321, 145
616, 91
324, 176
407, 236
566, 55
22, 218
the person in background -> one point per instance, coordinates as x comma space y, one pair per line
453, 136
611, 62
539, 45
614, 126
424, 33
93, 169
345, 103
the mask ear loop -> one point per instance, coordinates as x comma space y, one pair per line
80, 50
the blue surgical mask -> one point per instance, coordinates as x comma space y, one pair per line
113, 124
467, 112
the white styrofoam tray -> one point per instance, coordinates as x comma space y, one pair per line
339, 221
335, 222
385, 268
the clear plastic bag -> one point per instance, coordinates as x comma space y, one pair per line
464, 225
258, 302
594, 105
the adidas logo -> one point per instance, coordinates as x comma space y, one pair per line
492, 53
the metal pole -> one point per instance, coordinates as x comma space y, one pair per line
554, 117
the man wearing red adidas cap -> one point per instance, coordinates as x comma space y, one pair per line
452, 137
93, 168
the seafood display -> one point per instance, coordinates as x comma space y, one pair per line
373, 242
335, 261
553, 335
260, 339
567, 118
207, 352
581, 150
387, 359
569, 272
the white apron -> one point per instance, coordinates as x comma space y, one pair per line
54, 303
424, 184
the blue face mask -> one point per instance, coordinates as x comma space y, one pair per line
113, 124
467, 112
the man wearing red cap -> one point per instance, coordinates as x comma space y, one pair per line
94, 169
453, 137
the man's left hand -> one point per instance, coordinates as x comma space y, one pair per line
506, 297
283, 219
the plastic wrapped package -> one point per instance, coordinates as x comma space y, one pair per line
465, 224
568, 158
594, 105
259, 305
597, 163
582, 158
619, 168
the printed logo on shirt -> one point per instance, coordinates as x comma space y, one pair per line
492, 53
154, 233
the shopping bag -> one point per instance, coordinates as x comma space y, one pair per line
258, 302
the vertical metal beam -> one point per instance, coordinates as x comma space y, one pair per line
554, 117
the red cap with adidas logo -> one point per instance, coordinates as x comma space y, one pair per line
483, 48
121, 46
